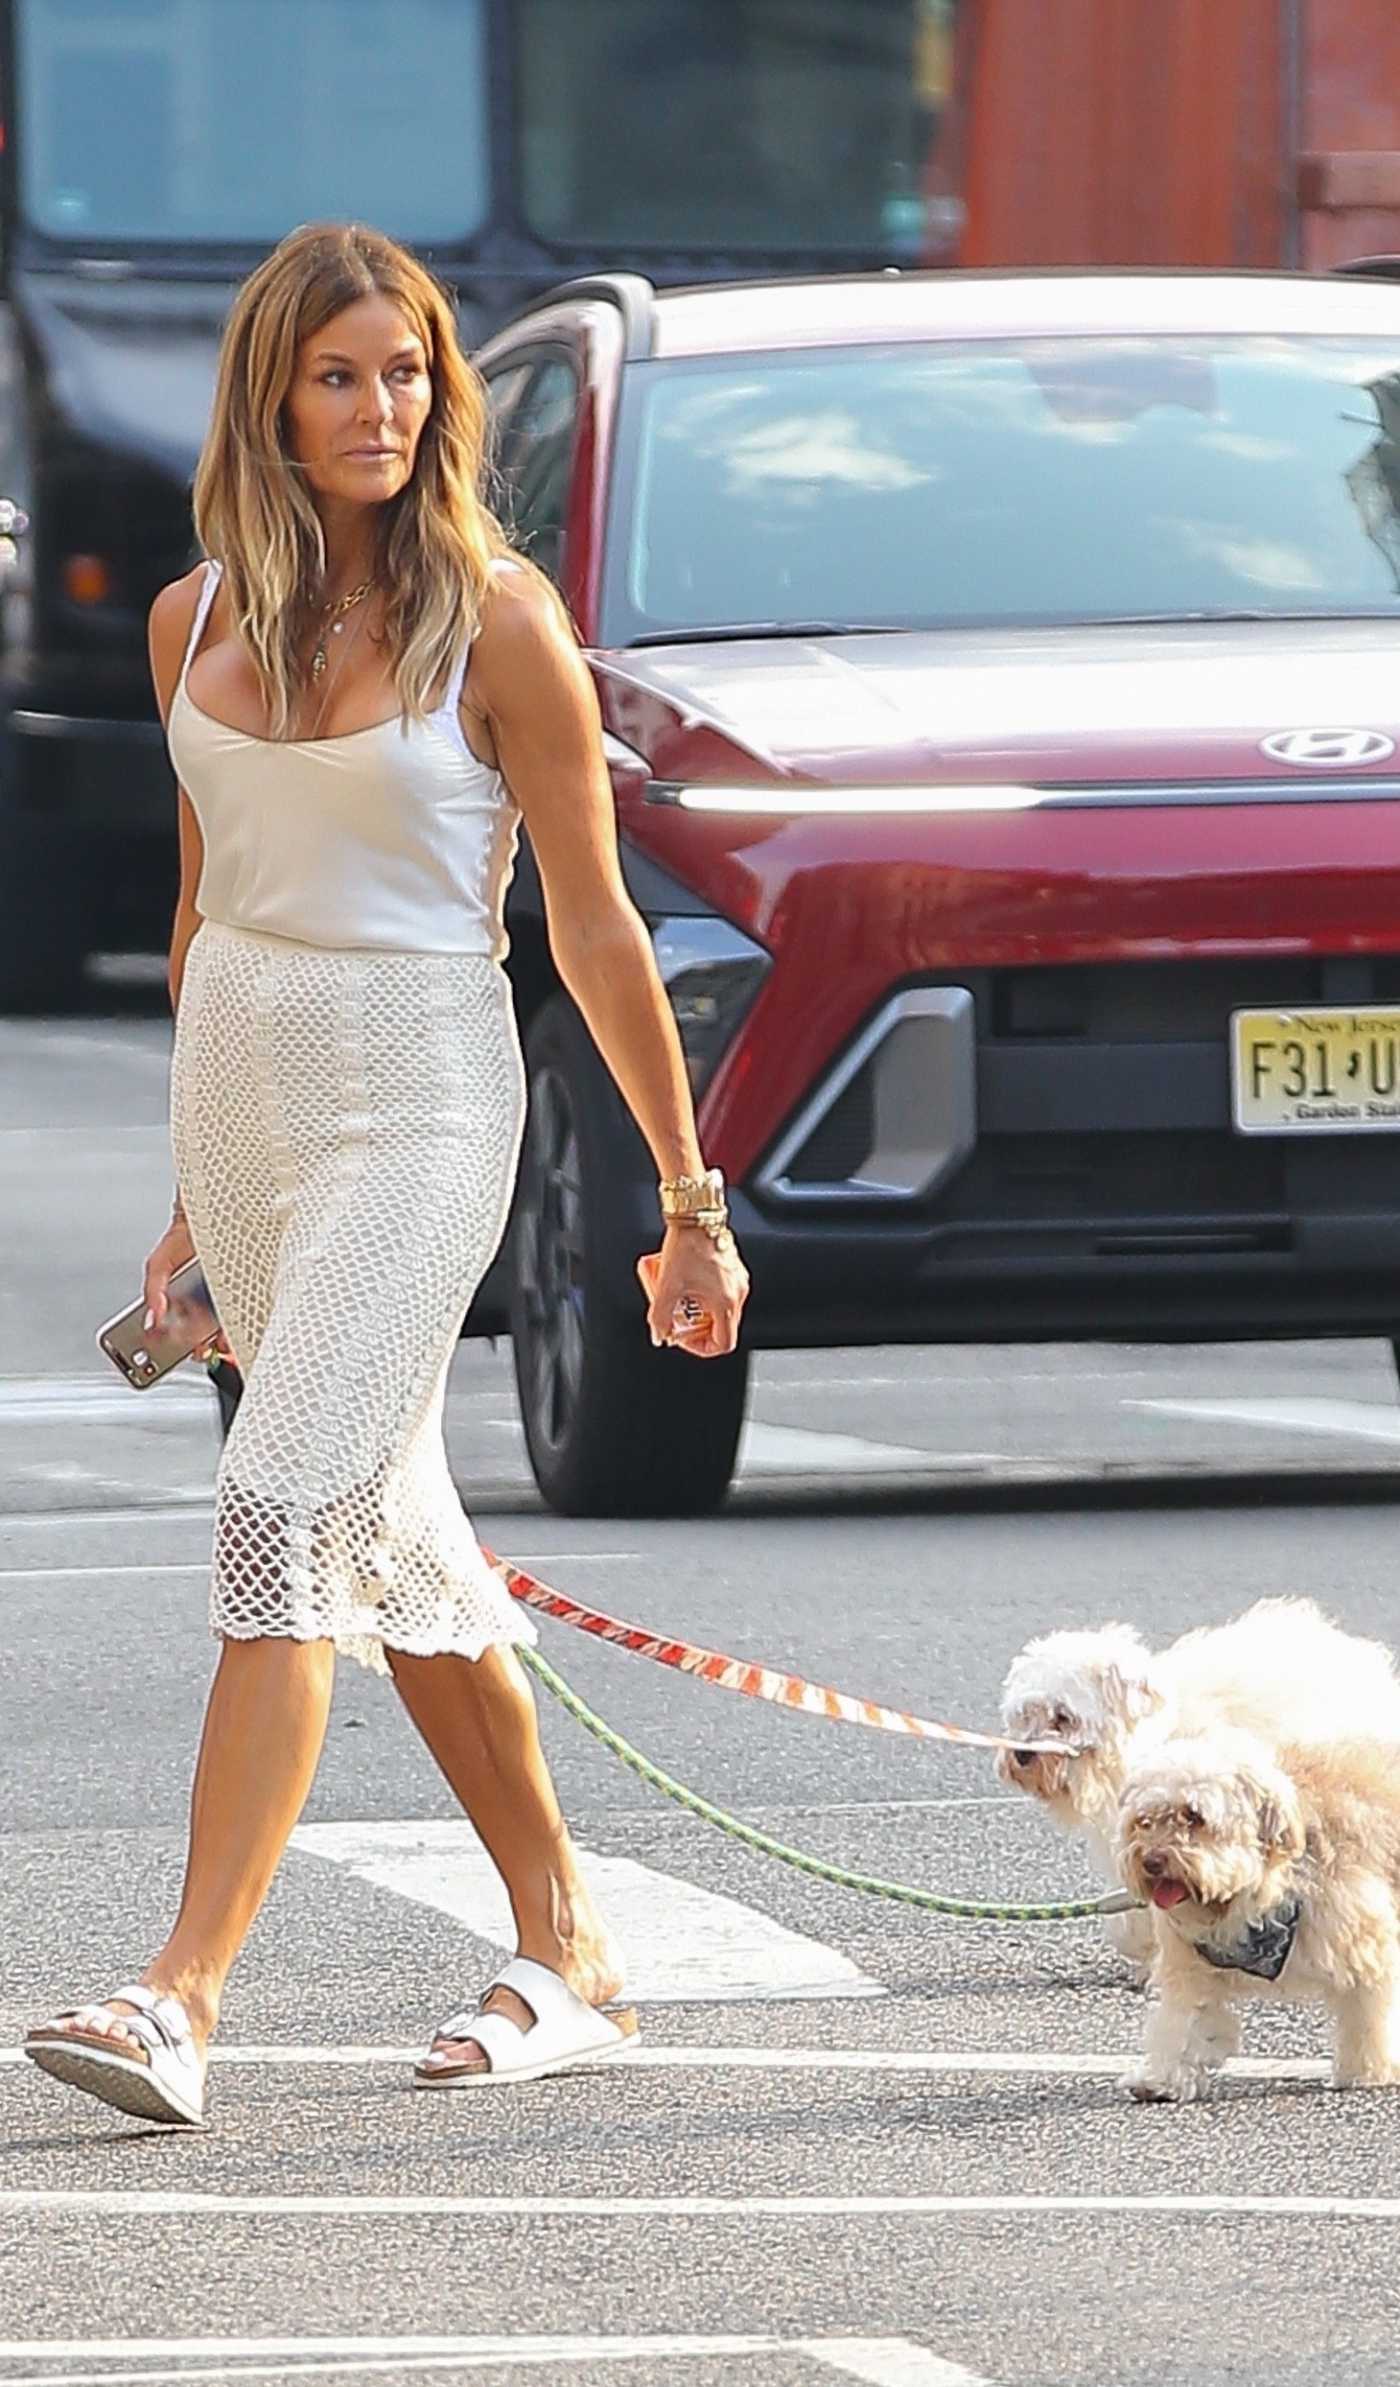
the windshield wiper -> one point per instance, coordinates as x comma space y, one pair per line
717, 632
1224, 613
723, 630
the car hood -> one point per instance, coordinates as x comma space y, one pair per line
1139, 703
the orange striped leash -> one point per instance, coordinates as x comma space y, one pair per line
742, 1675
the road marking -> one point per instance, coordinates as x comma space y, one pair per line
888, 2362
972, 2063
155, 2203
878, 2361
182, 1507
76, 1574
684, 1943
801, 1450
1370, 1421
868, 1807
200, 1566
947, 1381
103, 1400
86, 1044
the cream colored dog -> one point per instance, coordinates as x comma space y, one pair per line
1270, 1873
1282, 1669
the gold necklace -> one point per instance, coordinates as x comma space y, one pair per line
332, 624
327, 683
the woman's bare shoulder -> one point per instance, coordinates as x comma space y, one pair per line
172, 613
169, 624
523, 618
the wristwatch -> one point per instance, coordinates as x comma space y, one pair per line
697, 1202
692, 1197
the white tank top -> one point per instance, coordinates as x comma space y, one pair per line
394, 837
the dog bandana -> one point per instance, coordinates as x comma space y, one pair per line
1265, 1948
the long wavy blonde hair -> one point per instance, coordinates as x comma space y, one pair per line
254, 510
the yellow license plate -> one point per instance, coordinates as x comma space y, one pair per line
1316, 1072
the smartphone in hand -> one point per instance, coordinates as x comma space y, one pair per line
145, 1354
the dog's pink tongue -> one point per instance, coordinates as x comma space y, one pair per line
1168, 1893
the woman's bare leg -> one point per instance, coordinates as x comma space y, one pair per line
263, 1732
478, 1719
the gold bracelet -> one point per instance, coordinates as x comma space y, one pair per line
693, 1197
714, 1223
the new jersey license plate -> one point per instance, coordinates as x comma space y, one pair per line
1316, 1072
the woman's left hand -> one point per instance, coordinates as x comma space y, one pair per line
696, 1290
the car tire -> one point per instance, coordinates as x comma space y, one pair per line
614, 1427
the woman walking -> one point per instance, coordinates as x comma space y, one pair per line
363, 694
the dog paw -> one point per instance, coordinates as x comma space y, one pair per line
1146, 2091
1179, 2086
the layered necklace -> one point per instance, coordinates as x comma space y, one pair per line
333, 623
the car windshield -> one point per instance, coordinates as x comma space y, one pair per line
772, 125
231, 120
975, 483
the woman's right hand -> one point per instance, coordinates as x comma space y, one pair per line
175, 1247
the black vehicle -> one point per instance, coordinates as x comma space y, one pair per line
155, 148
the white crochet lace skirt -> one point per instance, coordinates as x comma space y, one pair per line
346, 1128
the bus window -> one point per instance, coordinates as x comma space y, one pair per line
762, 124
232, 120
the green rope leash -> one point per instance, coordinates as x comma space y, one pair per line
976, 1910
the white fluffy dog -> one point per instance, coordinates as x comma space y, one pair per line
1282, 1669
1271, 1872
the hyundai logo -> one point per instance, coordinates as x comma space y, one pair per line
1327, 749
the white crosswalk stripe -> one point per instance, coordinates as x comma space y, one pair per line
104, 1399
876, 2361
683, 1942
1369, 1421
802, 1450
934, 2062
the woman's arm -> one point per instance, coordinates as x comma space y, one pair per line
171, 618
534, 686
530, 680
169, 628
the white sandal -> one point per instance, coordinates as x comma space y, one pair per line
566, 2032
164, 2085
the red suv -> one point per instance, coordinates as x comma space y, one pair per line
1001, 678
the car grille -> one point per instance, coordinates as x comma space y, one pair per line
1104, 1117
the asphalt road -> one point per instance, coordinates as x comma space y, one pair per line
859, 2143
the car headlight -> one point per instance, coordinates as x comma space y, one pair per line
711, 972
791, 800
